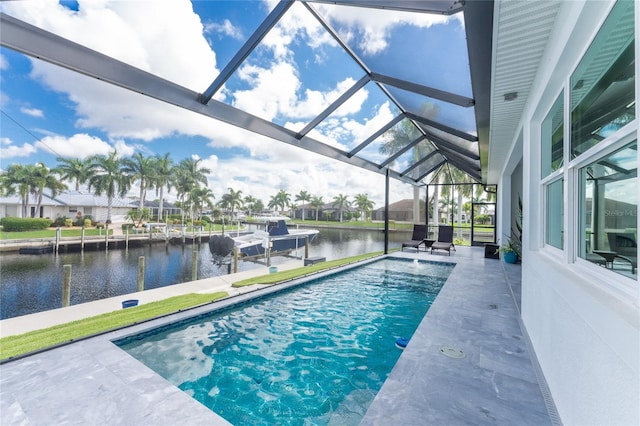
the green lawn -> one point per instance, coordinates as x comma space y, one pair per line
51, 233
305, 270
12, 346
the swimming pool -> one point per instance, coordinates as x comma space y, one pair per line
312, 354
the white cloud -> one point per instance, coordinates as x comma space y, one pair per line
129, 32
142, 33
9, 150
295, 170
80, 145
272, 90
346, 132
33, 112
4, 64
375, 25
225, 28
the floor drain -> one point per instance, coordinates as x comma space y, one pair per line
452, 352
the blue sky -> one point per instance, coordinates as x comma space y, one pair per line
296, 72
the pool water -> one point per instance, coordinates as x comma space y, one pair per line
314, 354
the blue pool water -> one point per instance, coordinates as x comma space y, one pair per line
313, 354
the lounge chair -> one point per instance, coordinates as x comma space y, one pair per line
417, 238
445, 239
625, 247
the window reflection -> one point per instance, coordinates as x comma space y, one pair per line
609, 210
603, 85
553, 138
555, 214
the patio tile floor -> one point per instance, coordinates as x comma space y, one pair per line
93, 382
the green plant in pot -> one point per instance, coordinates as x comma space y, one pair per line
511, 250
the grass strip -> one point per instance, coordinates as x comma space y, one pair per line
12, 346
305, 270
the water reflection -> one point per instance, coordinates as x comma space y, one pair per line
33, 283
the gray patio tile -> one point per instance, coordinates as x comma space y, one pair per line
93, 382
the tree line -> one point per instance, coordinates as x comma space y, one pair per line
113, 177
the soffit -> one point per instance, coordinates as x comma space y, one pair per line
521, 33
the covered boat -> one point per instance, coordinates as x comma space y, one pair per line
277, 236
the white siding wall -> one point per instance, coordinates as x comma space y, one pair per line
585, 332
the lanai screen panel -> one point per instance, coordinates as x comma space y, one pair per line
357, 119
390, 142
290, 83
413, 155
425, 167
425, 48
451, 115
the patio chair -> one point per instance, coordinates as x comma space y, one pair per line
417, 238
445, 239
625, 247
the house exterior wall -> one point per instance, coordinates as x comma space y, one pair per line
583, 320
9, 210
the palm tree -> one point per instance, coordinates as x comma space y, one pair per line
364, 205
74, 170
196, 173
108, 178
19, 179
142, 169
317, 202
231, 200
303, 197
162, 178
200, 198
451, 176
273, 203
249, 202
258, 206
341, 201
283, 199
43, 178
188, 175
183, 185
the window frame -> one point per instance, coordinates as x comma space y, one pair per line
618, 140
570, 170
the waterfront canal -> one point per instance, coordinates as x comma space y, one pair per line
33, 283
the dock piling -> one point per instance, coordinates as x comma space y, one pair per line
235, 259
194, 264
66, 285
141, 273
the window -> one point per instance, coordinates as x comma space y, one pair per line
598, 162
553, 138
603, 84
555, 214
609, 210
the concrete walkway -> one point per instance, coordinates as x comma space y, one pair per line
468, 363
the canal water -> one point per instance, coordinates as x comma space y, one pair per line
33, 283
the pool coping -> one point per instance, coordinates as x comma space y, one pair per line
95, 382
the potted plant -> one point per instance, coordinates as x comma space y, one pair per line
510, 250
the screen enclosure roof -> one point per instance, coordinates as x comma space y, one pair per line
404, 85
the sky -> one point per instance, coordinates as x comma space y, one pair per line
294, 74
